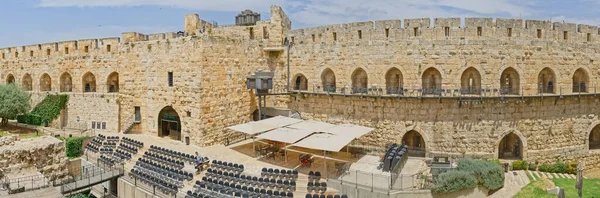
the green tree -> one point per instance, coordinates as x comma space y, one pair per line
13, 102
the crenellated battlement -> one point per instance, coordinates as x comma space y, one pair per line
62, 48
449, 29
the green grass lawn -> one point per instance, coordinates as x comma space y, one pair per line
529, 176
591, 187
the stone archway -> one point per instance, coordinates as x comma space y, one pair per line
511, 147
580, 81
300, 82
88, 82
546, 81
415, 142
431, 81
393, 81
594, 138
10, 79
27, 82
509, 82
112, 82
169, 123
45, 83
360, 81
470, 81
328, 80
66, 82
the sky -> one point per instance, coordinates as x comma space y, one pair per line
25, 22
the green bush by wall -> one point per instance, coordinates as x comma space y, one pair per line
48, 109
73, 146
470, 173
452, 181
519, 165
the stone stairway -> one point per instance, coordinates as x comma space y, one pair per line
513, 182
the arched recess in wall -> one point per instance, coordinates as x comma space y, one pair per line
511, 145
328, 80
360, 81
66, 82
27, 82
89, 82
169, 123
394, 81
431, 80
594, 138
509, 82
415, 142
580, 81
45, 82
546, 81
470, 81
10, 79
300, 82
112, 82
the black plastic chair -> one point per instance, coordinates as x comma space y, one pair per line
336, 196
344, 196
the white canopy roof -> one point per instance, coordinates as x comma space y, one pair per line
252, 128
324, 141
285, 134
350, 130
279, 121
312, 125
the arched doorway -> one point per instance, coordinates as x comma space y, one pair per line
89, 82
580, 81
595, 138
546, 81
470, 81
301, 83
112, 83
169, 123
510, 147
10, 79
415, 143
393, 81
27, 82
66, 83
509, 81
328, 79
360, 81
45, 83
431, 81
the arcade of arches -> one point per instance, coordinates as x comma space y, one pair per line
113, 82
27, 82
393, 81
580, 80
66, 82
510, 147
415, 143
89, 82
546, 81
328, 79
470, 81
169, 123
301, 83
509, 81
45, 83
595, 138
360, 81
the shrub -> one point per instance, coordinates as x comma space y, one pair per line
497, 161
572, 168
519, 165
532, 166
453, 181
488, 174
73, 146
48, 109
559, 167
544, 168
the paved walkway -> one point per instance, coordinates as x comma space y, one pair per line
513, 182
49, 192
89, 181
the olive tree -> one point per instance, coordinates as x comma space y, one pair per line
13, 102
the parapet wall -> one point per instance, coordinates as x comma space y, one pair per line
46, 154
450, 29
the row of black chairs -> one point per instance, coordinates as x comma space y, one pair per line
112, 138
277, 173
164, 168
96, 141
123, 155
92, 148
106, 160
325, 196
162, 185
130, 149
236, 190
289, 185
109, 144
217, 164
165, 160
133, 142
316, 186
171, 153
106, 150
102, 137
160, 174
314, 176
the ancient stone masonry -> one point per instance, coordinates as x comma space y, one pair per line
461, 88
45, 154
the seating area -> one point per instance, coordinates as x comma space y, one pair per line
112, 138
171, 153
127, 148
133, 143
395, 158
106, 150
121, 155
108, 161
265, 182
227, 166
93, 148
163, 184
279, 173
109, 144
236, 185
325, 196
162, 159
314, 183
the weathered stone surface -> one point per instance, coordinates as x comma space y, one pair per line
45, 154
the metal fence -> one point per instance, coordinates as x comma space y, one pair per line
22, 184
379, 181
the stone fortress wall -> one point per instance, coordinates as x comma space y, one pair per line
209, 65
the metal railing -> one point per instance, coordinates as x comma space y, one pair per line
90, 175
379, 181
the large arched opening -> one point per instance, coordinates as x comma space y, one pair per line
10, 79
393, 81
509, 82
66, 82
300, 82
169, 123
470, 81
328, 79
510, 147
546, 81
27, 82
580, 81
88, 82
112, 82
595, 138
45, 82
360, 81
415, 143
431, 81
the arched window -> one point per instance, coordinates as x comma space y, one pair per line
300, 82
546, 81
328, 79
580, 81
66, 82
431, 81
10, 79
509, 81
45, 82
510, 147
360, 81
112, 83
393, 81
27, 82
89, 82
595, 138
470, 81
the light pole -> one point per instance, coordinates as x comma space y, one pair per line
288, 44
